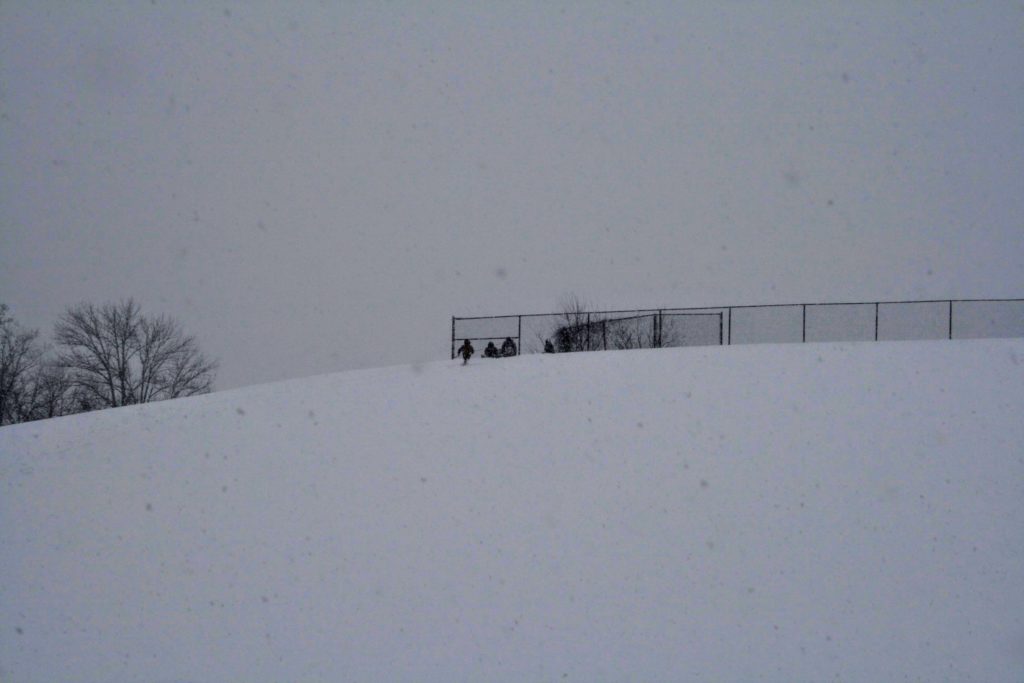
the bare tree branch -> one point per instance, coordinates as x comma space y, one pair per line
574, 335
117, 356
19, 358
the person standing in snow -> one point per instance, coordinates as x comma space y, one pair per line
466, 351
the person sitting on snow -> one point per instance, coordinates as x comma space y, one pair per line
491, 351
508, 348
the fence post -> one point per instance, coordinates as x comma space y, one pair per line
660, 327
720, 324
730, 326
803, 334
876, 321
950, 319
453, 337
519, 337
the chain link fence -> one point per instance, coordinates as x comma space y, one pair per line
766, 324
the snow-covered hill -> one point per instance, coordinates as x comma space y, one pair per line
782, 513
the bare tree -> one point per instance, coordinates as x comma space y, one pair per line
582, 329
115, 356
575, 332
19, 360
631, 333
51, 393
643, 331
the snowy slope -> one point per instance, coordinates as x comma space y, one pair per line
794, 512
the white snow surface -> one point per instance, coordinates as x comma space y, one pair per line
782, 513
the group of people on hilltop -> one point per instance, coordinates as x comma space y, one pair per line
508, 349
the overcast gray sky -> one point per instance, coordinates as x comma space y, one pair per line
313, 187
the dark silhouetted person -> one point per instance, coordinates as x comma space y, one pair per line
508, 348
548, 346
466, 351
491, 351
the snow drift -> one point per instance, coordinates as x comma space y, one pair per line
795, 512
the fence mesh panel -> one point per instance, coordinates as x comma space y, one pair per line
914, 320
540, 328
840, 322
766, 325
486, 328
691, 329
639, 331
983, 319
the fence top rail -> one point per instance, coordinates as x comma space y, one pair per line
514, 336
640, 315
649, 311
